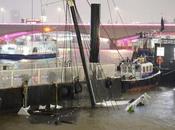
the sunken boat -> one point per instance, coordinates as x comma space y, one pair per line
63, 85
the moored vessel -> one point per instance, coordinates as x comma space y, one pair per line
138, 75
30, 47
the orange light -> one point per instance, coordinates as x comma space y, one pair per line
46, 29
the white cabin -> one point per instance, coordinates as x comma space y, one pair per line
131, 70
32, 44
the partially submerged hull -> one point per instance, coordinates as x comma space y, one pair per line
142, 84
16, 57
12, 98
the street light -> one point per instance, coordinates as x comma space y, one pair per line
59, 9
2, 10
59, 13
117, 8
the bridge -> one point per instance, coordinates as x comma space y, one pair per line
112, 31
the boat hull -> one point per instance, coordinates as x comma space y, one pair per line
16, 57
12, 98
140, 85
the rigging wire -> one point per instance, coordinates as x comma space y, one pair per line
108, 35
121, 18
112, 42
75, 76
111, 19
87, 46
42, 25
32, 71
100, 66
115, 3
99, 82
78, 18
63, 49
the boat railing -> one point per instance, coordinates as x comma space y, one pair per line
41, 76
30, 64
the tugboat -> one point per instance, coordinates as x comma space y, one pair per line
138, 75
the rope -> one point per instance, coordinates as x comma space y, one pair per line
169, 72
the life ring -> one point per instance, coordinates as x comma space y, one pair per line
159, 60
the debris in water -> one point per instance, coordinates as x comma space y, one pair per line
56, 117
24, 111
140, 101
111, 103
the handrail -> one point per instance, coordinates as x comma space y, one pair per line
38, 76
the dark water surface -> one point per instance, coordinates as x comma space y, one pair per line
159, 114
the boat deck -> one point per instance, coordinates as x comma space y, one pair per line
39, 75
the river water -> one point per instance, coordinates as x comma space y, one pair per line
158, 114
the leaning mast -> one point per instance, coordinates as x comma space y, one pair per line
71, 4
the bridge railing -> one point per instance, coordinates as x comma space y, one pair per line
39, 76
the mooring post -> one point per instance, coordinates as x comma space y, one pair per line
25, 92
94, 41
95, 32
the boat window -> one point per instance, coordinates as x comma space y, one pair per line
137, 68
35, 50
147, 69
20, 43
130, 69
10, 48
143, 69
124, 69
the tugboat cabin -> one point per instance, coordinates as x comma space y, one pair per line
136, 71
